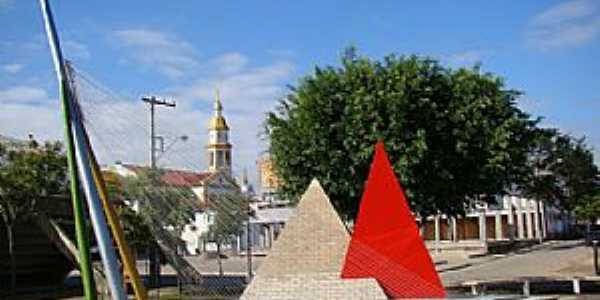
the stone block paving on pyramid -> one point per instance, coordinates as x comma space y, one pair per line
306, 260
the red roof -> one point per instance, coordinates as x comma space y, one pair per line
178, 178
183, 178
133, 168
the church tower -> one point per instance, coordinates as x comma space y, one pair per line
218, 147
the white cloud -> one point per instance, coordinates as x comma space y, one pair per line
12, 68
23, 94
256, 84
246, 95
531, 105
76, 49
118, 126
231, 62
563, 12
18, 120
568, 24
466, 58
164, 52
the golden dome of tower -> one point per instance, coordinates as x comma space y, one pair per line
218, 146
217, 122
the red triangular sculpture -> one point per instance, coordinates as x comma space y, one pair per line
386, 244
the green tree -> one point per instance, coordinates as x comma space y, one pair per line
28, 176
538, 182
159, 204
229, 211
137, 233
574, 171
562, 171
589, 208
163, 209
452, 135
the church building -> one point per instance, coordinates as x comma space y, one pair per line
218, 177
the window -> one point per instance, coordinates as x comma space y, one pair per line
213, 136
222, 136
220, 158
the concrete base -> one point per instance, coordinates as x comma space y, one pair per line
467, 247
532, 286
474, 247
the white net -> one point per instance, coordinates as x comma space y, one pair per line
195, 219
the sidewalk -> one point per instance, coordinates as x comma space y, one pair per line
553, 259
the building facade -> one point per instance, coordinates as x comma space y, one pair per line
269, 183
511, 218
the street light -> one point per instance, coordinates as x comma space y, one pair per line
162, 149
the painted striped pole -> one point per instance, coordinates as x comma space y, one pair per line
83, 244
105, 243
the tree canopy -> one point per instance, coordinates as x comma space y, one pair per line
589, 208
562, 171
452, 135
160, 204
28, 175
229, 211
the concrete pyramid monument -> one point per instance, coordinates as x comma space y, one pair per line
306, 260
386, 244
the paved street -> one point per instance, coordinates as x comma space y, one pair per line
551, 259
233, 265
554, 259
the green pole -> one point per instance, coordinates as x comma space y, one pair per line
81, 230
83, 244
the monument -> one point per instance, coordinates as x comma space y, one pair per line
306, 260
386, 244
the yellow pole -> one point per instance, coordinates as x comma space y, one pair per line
129, 264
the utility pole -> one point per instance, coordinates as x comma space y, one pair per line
251, 213
155, 253
153, 101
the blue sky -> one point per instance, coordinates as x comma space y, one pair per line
252, 49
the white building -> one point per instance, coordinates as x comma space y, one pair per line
513, 218
265, 226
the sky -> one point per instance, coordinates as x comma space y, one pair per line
253, 50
